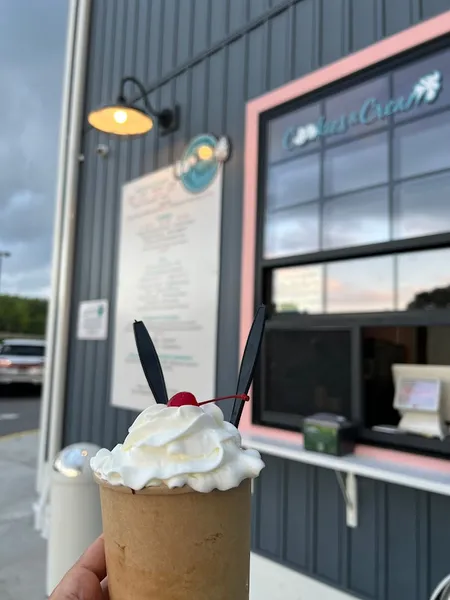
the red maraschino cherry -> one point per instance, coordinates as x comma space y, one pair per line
183, 399
188, 399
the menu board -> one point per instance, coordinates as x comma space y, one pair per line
168, 277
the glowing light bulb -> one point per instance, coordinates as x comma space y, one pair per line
120, 116
205, 152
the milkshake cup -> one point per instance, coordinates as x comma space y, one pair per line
177, 544
176, 504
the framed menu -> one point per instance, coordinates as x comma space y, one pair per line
168, 277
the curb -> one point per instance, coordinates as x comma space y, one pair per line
17, 434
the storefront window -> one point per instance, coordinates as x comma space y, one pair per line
308, 372
361, 285
293, 182
356, 219
405, 79
355, 253
356, 105
299, 289
356, 165
292, 231
387, 139
396, 282
422, 146
384, 346
281, 130
422, 206
424, 280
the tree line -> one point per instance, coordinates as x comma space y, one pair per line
25, 316
28, 316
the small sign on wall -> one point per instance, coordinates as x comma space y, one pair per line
93, 320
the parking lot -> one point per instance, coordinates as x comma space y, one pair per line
19, 409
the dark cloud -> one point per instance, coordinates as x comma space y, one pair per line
32, 52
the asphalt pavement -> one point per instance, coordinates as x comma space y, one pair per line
19, 410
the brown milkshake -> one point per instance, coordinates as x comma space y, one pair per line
176, 507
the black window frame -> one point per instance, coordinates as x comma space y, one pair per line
354, 322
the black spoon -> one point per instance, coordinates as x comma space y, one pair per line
150, 362
248, 363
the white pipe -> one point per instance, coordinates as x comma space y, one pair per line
57, 240
68, 234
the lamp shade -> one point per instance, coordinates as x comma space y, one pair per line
121, 119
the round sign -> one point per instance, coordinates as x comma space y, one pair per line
200, 163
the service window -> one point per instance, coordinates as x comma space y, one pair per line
353, 252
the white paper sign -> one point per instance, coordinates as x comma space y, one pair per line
168, 277
93, 320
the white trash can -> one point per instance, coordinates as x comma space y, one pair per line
75, 514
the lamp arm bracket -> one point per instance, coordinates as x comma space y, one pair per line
142, 90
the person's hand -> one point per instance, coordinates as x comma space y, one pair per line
87, 579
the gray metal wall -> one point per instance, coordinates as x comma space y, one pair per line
211, 56
397, 552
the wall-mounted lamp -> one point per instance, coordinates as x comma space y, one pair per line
124, 118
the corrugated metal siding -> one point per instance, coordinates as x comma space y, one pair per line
397, 551
210, 57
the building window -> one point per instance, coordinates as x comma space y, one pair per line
307, 371
392, 282
354, 250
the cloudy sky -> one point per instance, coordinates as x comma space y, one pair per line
32, 49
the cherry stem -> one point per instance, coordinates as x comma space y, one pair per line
243, 397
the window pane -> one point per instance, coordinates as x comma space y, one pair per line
293, 231
407, 78
356, 165
422, 146
354, 111
386, 346
382, 347
422, 206
293, 182
362, 218
22, 350
307, 372
298, 289
282, 131
362, 285
424, 280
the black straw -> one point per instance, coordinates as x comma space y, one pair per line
150, 362
248, 362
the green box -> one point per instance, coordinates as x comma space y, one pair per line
328, 434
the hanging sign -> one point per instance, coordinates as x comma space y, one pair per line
425, 91
168, 277
201, 162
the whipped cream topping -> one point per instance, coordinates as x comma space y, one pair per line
177, 446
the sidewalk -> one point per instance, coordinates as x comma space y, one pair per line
22, 550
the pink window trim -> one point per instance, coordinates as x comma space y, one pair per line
387, 48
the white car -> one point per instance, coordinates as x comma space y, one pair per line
22, 361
